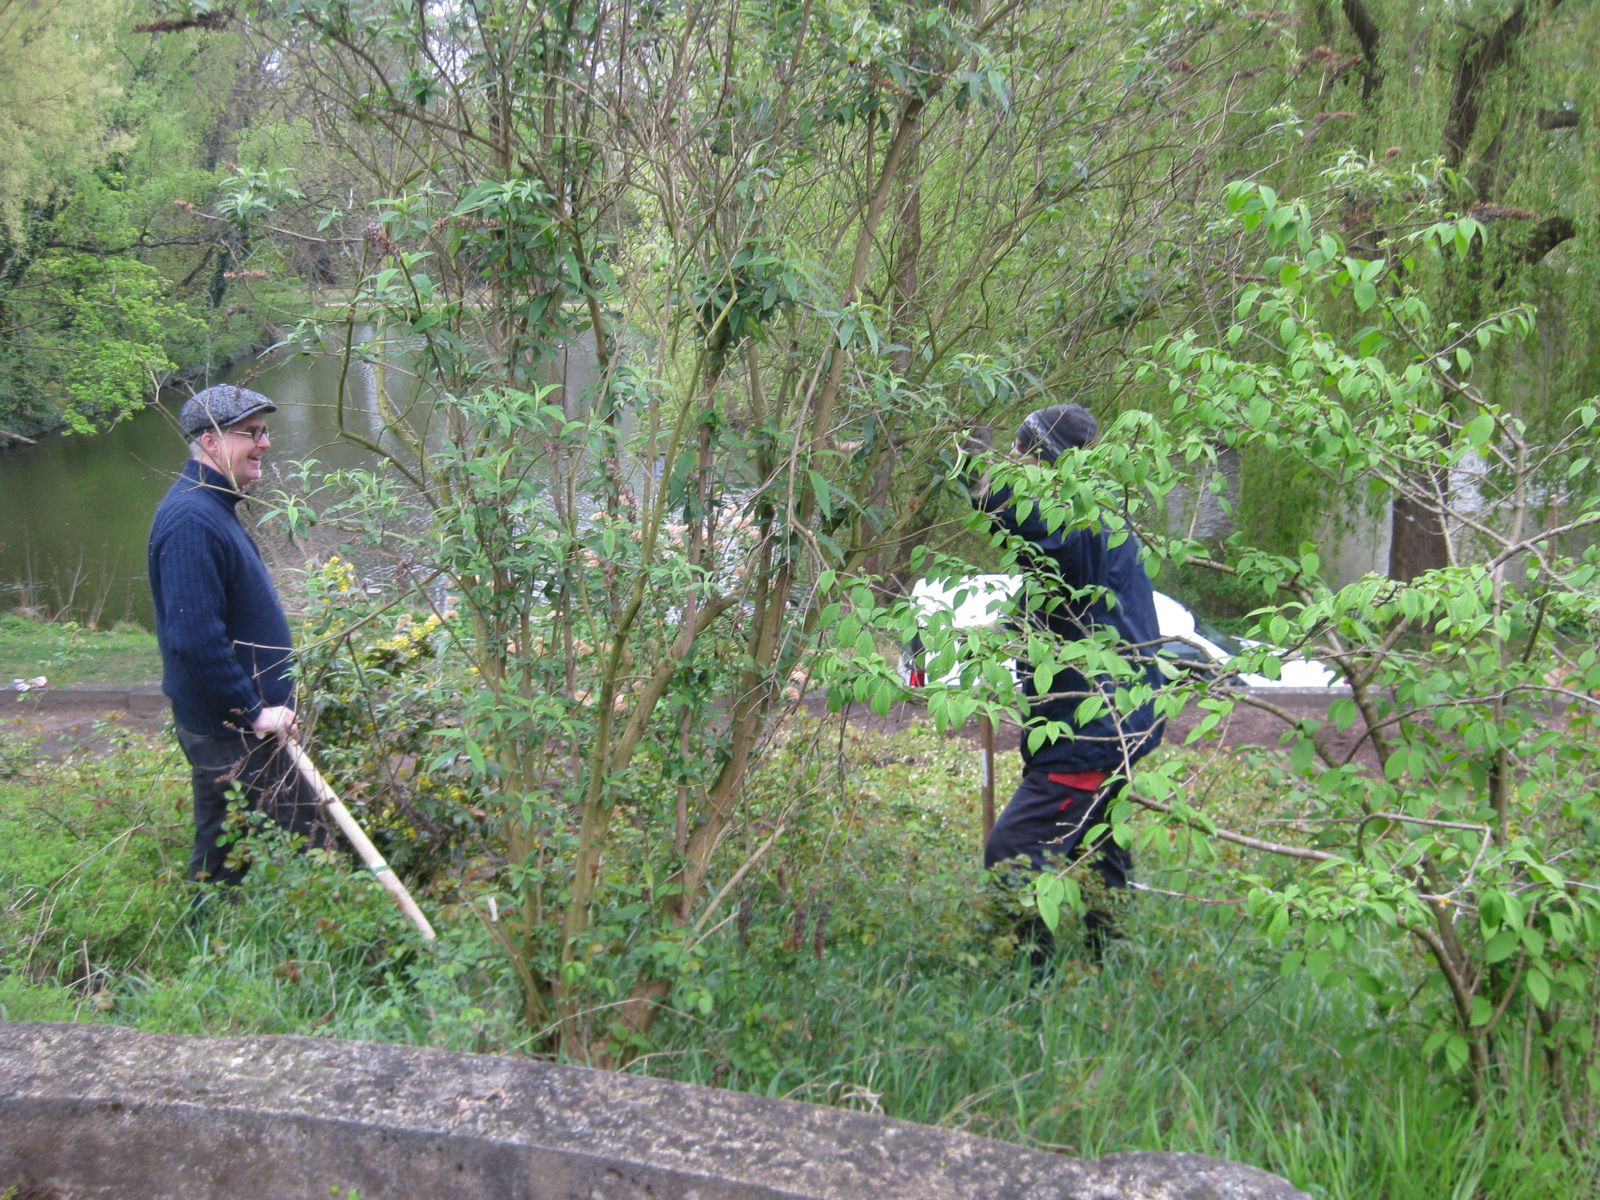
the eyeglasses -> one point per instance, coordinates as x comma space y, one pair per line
257, 434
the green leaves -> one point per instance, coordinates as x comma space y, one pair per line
1455, 1048
1480, 429
737, 295
108, 328
1450, 824
250, 195
1053, 892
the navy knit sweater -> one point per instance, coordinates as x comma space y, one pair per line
225, 645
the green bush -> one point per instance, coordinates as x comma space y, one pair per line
95, 852
380, 695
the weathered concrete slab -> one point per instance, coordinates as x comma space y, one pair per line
98, 1111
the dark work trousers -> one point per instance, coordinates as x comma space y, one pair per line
271, 786
1046, 824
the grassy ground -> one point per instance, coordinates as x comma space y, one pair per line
865, 966
69, 655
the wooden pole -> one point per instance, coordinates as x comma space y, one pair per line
359, 839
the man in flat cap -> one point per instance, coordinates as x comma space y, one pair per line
1068, 781
226, 657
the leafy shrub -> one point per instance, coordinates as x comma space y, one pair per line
382, 691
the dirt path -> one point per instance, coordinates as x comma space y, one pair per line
69, 719
1249, 724
72, 719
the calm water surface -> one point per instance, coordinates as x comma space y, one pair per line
75, 511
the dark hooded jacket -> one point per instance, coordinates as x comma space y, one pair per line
1073, 559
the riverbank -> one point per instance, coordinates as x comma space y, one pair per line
94, 676
69, 655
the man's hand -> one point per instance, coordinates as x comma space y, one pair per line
277, 721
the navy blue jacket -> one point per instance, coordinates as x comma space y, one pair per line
225, 644
1084, 558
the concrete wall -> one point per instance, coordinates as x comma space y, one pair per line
94, 1110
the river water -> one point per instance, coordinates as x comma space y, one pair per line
75, 511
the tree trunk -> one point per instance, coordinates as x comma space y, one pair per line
1416, 540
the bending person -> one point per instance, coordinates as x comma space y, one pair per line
1068, 782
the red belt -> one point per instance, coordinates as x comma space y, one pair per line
1082, 781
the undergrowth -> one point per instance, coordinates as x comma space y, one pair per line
864, 964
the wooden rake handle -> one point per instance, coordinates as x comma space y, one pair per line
359, 839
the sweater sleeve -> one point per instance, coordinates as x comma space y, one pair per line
194, 595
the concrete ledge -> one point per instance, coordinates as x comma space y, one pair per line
95, 1110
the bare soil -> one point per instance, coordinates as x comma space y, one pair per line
86, 719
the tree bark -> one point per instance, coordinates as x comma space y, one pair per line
1484, 54
1416, 540
1367, 34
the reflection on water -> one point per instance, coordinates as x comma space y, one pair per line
75, 511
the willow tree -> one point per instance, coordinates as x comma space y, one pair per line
56, 88
56, 85
1397, 115
111, 141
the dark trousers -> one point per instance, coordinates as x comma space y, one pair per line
1046, 825
1047, 822
270, 783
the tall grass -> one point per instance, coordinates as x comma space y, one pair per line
1174, 1043
915, 1002
97, 923
866, 966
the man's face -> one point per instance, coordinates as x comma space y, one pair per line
237, 451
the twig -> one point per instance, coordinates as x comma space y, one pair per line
743, 870
1237, 839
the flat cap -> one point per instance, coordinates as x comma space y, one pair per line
218, 407
1046, 432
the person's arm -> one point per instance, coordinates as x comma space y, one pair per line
194, 597
1072, 551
